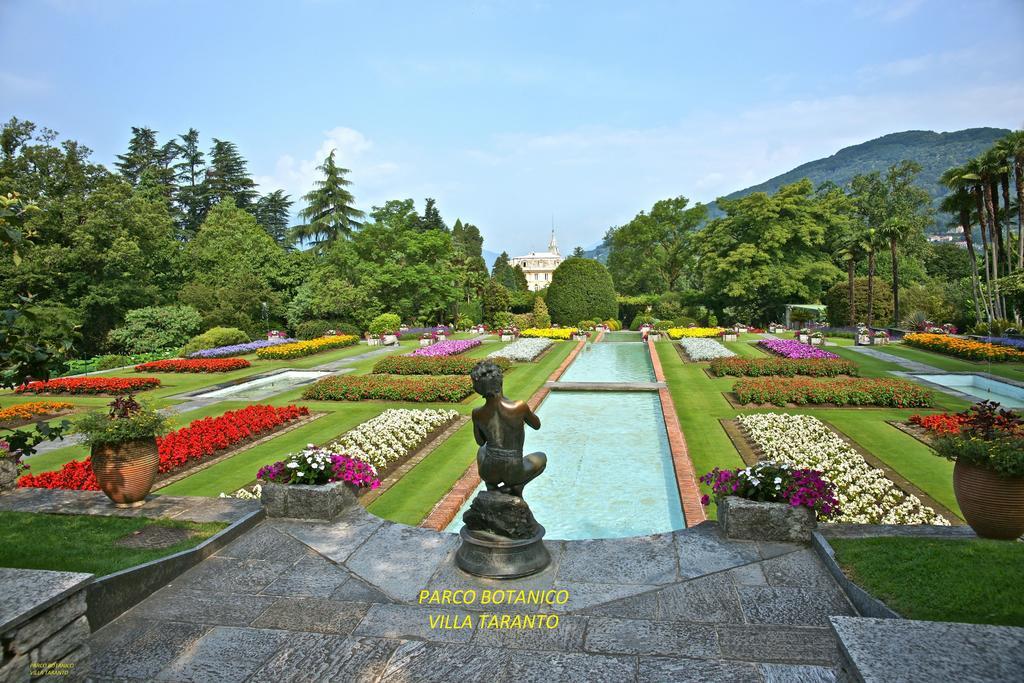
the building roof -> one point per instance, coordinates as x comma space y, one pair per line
536, 254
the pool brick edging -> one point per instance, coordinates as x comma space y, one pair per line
446, 509
686, 477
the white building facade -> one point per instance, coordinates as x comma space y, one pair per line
539, 266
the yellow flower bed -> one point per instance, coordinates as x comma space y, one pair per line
964, 348
690, 332
306, 348
32, 410
549, 332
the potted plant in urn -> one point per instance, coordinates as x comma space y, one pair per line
988, 477
863, 335
770, 501
816, 339
426, 339
879, 337
124, 451
729, 335
316, 483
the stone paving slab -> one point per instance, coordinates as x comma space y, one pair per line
27, 592
185, 508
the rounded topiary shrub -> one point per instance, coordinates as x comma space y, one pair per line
581, 289
385, 323
214, 337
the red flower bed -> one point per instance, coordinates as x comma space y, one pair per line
943, 423
194, 365
200, 439
89, 385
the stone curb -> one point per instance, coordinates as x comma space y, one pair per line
866, 604
110, 596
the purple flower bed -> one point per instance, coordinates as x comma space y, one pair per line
446, 348
238, 349
1005, 341
790, 348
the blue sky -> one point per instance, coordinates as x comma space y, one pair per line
510, 113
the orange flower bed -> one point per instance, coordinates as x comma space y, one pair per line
964, 348
32, 410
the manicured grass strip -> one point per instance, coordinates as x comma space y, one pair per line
84, 543
744, 349
973, 581
414, 496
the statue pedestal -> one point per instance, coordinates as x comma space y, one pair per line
496, 557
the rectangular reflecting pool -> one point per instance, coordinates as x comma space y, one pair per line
609, 471
981, 388
611, 362
263, 387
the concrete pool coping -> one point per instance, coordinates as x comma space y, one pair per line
915, 376
202, 393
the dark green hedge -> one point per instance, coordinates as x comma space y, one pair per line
581, 289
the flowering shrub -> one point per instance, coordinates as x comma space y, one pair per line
562, 333
429, 332
689, 332
450, 347
1005, 341
306, 348
522, 350
318, 466
240, 349
427, 365
892, 393
699, 349
963, 348
199, 440
390, 436
989, 437
789, 348
775, 483
420, 389
195, 365
32, 410
113, 361
89, 385
787, 367
864, 494
941, 423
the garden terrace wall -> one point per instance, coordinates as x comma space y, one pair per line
90, 385
786, 367
782, 391
418, 389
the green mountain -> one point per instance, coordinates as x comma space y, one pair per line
936, 152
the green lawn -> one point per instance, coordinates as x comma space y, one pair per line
950, 364
84, 543
974, 581
700, 405
414, 496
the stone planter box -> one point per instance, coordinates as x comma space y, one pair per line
878, 341
730, 337
506, 337
301, 501
654, 337
749, 520
442, 337
373, 342
741, 329
804, 338
863, 340
426, 342
817, 341
390, 339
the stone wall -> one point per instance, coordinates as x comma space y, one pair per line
43, 626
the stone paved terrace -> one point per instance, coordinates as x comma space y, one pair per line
295, 600
184, 508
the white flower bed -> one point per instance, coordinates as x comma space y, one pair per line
700, 348
865, 495
522, 350
390, 436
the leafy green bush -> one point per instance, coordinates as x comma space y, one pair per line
838, 301
524, 321
214, 337
422, 389
639, 320
463, 323
127, 420
541, 317
613, 324
150, 329
111, 361
385, 323
502, 319
311, 329
474, 310
430, 365
581, 288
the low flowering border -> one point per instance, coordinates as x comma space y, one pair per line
785, 367
557, 333
694, 332
853, 391
306, 348
392, 435
790, 348
22, 412
523, 350
430, 365
89, 385
865, 495
416, 389
964, 348
700, 349
770, 482
179, 449
240, 349
194, 365
451, 347
317, 467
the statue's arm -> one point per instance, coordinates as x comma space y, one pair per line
477, 434
531, 417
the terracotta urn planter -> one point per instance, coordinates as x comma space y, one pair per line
992, 505
126, 471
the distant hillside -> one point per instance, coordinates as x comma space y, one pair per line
936, 152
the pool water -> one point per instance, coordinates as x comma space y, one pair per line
604, 362
266, 386
609, 472
982, 388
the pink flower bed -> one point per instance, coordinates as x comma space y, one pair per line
446, 348
790, 348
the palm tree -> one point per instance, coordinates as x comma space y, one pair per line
974, 174
958, 203
329, 214
1015, 148
870, 244
851, 250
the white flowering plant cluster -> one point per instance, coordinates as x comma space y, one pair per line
522, 350
865, 495
245, 494
700, 348
390, 436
